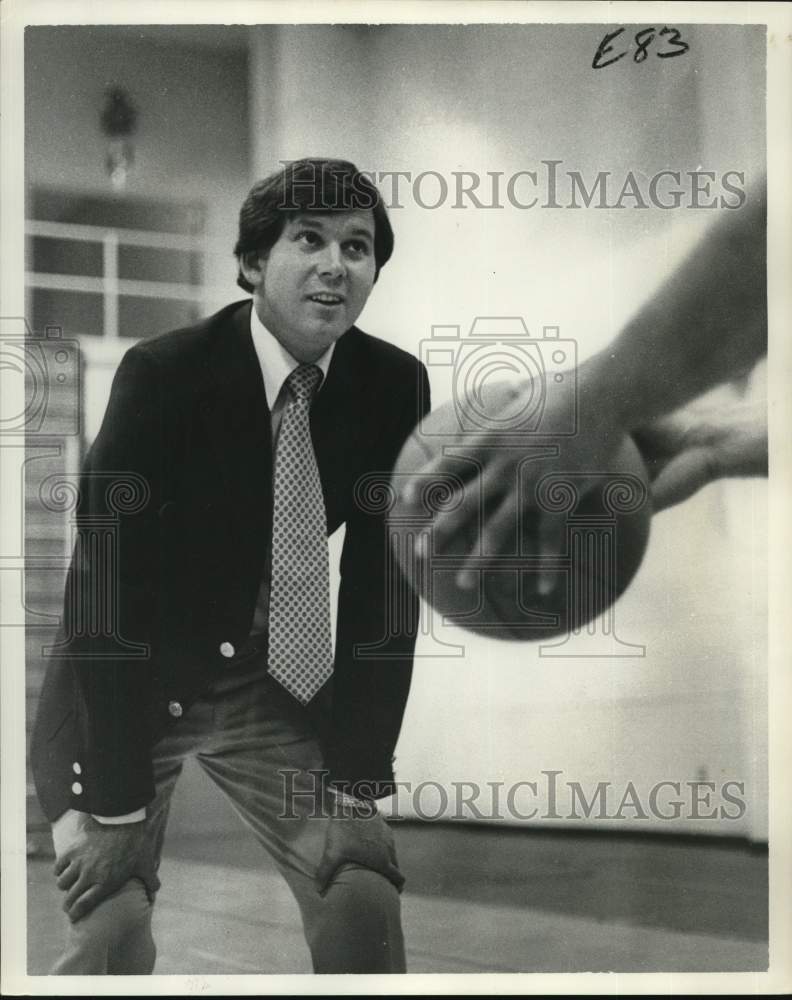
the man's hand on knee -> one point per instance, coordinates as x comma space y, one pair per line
358, 836
99, 861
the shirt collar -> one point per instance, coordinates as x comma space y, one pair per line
276, 362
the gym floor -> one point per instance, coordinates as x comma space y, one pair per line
477, 900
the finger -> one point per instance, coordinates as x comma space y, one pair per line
460, 456
68, 877
655, 441
89, 900
380, 857
654, 466
441, 467
457, 518
376, 861
81, 885
328, 866
348, 842
393, 875
655, 458
496, 536
681, 478
454, 529
665, 438
392, 854
454, 508
62, 863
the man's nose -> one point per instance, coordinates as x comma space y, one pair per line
331, 264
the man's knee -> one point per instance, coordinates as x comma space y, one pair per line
358, 926
114, 936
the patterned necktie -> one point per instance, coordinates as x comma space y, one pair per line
300, 642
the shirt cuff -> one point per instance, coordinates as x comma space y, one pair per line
134, 817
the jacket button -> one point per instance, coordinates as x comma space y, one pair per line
227, 650
77, 788
76, 767
175, 709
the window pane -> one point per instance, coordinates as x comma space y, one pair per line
139, 317
75, 312
121, 213
57, 256
154, 264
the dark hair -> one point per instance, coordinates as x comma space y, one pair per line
312, 185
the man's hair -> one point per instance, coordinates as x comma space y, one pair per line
311, 185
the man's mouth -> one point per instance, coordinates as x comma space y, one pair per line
327, 298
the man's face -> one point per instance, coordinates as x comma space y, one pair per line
314, 282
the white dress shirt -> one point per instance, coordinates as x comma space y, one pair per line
276, 366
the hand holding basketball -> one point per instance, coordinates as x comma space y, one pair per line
508, 517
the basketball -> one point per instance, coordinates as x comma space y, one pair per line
606, 532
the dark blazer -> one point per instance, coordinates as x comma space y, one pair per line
178, 487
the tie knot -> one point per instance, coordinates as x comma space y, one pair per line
304, 381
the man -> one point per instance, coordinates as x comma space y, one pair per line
247, 438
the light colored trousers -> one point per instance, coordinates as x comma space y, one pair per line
243, 735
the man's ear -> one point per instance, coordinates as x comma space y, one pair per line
252, 264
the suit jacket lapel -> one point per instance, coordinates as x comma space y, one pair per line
338, 427
234, 407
